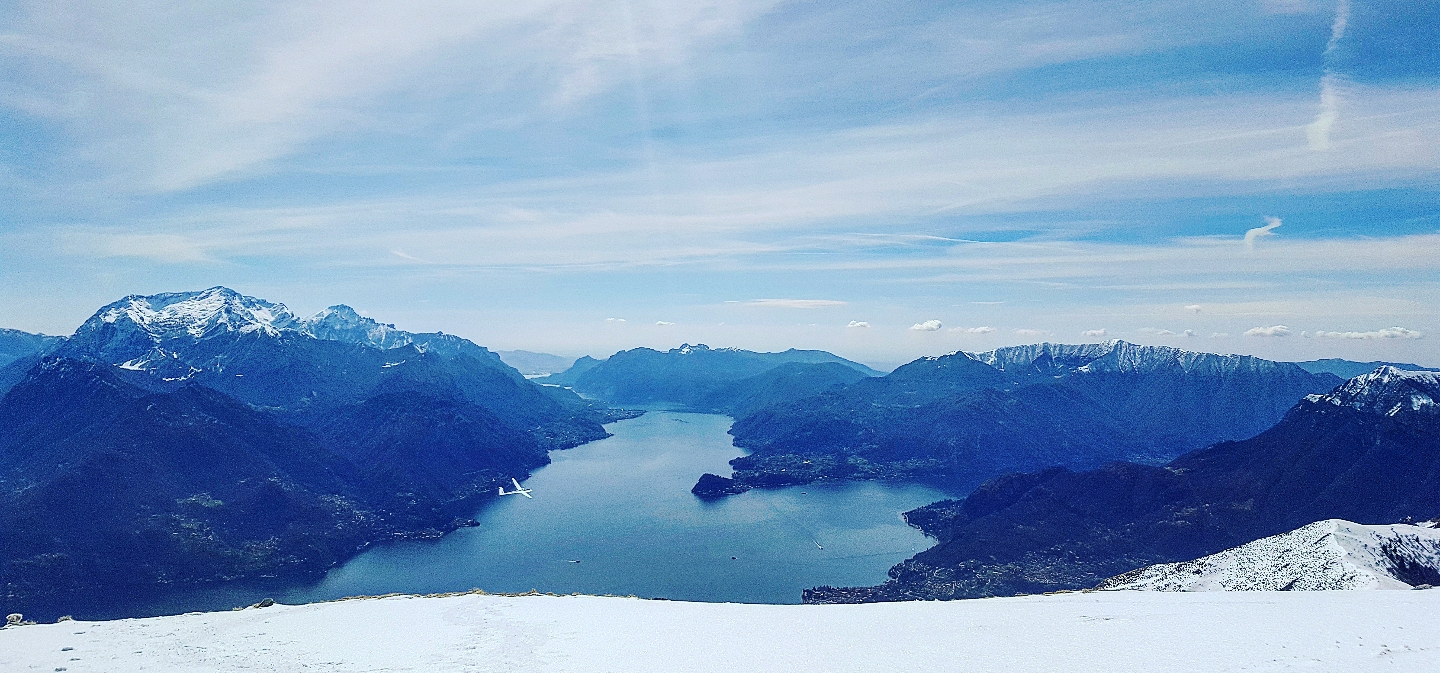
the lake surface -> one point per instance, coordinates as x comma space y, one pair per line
616, 516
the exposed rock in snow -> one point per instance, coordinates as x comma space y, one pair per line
1115, 632
1325, 555
165, 334
342, 323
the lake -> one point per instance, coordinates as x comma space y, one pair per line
616, 516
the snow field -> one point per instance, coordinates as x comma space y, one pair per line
1152, 632
1325, 555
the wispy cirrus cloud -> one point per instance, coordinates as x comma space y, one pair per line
794, 303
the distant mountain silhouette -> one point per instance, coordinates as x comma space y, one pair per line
535, 364
1368, 452
19, 351
15, 345
1347, 369
697, 377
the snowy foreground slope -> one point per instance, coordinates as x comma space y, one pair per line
1330, 554
1154, 632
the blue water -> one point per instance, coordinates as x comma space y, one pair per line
622, 508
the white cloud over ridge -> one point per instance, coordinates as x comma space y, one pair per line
1093, 333
1387, 333
1272, 331
858, 324
927, 326
973, 330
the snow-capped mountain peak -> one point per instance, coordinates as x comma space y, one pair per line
342, 323
689, 349
1388, 391
193, 314
1330, 554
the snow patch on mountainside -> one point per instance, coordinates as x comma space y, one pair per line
1325, 555
1115, 632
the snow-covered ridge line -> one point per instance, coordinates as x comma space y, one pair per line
1325, 555
1388, 391
1116, 356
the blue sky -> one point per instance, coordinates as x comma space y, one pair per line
581, 177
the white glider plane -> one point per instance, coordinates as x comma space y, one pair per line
519, 490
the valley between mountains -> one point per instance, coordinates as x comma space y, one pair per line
206, 438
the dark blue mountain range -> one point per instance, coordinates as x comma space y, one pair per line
960, 419
208, 436
1368, 451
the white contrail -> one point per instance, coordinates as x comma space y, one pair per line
1318, 132
1337, 29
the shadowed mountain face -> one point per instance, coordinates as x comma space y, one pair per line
208, 436
963, 418
103, 483
1369, 452
700, 377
